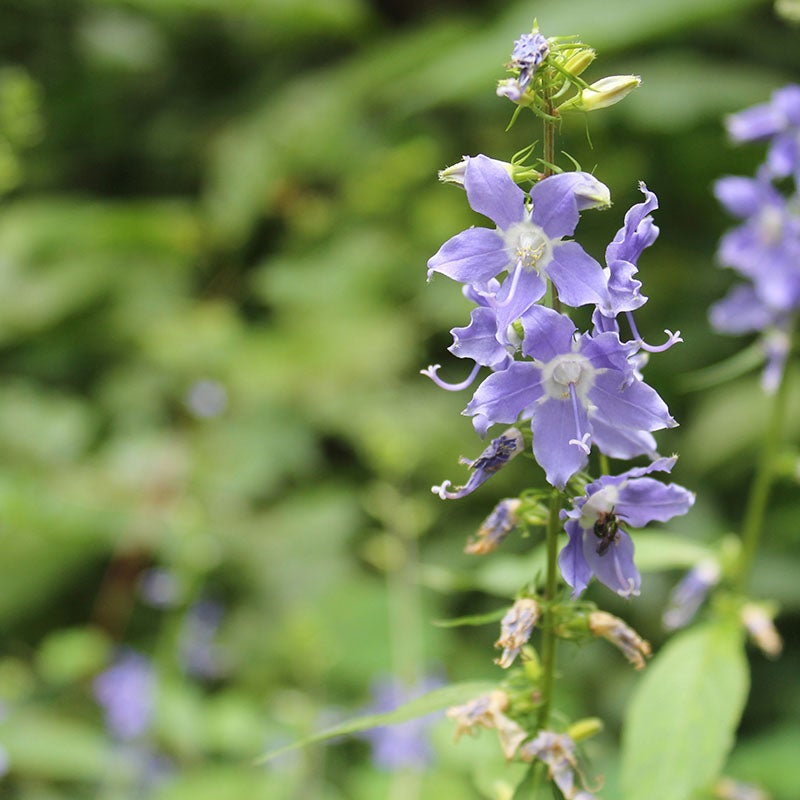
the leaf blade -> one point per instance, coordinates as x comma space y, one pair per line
680, 724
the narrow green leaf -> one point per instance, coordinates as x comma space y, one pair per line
435, 700
681, 721
475, 619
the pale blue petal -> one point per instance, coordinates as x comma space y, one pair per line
645, 500
503, 396
478, 340
637, 233
547, 333
559, 199
492, 192
635, 405
472, 256
615, 567
580, 280
553, 425
617, 442
574, 567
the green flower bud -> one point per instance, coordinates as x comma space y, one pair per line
603, 93
585, 729
580, 60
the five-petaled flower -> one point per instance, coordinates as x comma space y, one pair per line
598, 543
575, 391
528, 243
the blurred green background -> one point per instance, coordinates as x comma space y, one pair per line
214, 222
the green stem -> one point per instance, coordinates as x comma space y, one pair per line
762, 483
549, 638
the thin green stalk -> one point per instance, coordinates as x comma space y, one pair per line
762, 483
549, 638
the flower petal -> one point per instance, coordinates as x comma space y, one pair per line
645, 500
553, 425
615, 567
559, 199
503, 396
547, 333
635, 405
492, 192
574, 567
472, 256
580, 280
478, 340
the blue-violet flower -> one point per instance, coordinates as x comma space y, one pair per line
575, 391
598, 543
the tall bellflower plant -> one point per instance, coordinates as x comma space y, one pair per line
574, 398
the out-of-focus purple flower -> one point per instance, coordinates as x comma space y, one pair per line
689, 594
4, 761
406, 745
779, 121
197, 649
126, 691
575, 392
598, 544
529, 51
159, 588
501, 450
206, 398
766, 247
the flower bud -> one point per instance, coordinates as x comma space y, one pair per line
585, 729
580, 60
603, 93
519, 172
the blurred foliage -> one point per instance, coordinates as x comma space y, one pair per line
214, 222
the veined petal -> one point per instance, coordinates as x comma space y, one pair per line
553, 425
617, 442
572, 562
547, 333
472, 256
645, 500
637, 233
580, 280
559, 199
478, 340
635, 405
615, 567
503, 396
624, 291
492, 192
519, 292
605, 350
